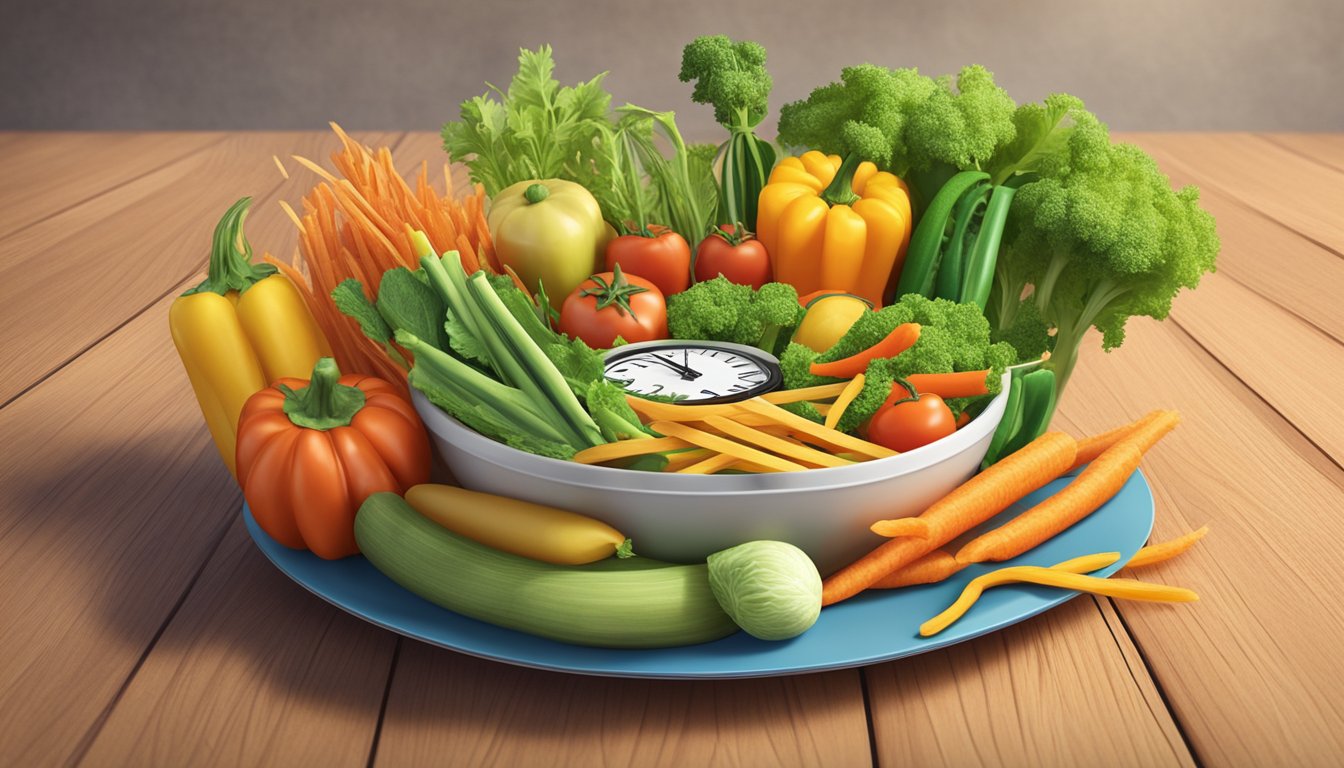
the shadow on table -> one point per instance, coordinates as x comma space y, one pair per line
145, 535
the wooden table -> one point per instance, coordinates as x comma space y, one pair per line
140, 626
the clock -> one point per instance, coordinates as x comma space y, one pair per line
701, 372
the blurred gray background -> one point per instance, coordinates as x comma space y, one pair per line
405, 64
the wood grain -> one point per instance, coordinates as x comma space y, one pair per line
65, 282
1251, 670
253, 670
48, 173
1324, 148
483, 713
1053, 691
1290, 189
107, 512
1275, 262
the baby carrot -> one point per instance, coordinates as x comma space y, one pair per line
972, 503
902, 526
1094, 486
901, 338
944, 385
929, 569
1090, 448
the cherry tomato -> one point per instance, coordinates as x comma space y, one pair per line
913, 422
739, 257
614, 304
656, 254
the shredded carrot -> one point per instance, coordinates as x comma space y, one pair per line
970, 504
901, 338
352, 225
1094, 486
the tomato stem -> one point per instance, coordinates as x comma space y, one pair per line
617, 293
325, 403
914, 395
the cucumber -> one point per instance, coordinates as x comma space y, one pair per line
931, 234
632, 603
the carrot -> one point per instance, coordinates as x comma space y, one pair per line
1066, 575
917, 527
1090, 448
972, 503
1094, 486
944, 385
963, 419
929, 569
1158, 553
901, 338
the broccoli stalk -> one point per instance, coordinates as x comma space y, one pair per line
732, 78
1104, 240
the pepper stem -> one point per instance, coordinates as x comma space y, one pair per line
535, 193
231, 267
841, 190
325, 403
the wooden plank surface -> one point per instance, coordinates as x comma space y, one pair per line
1251, 670
46, 173
1298, 193
483, 713
252, 670
116, 501
1053, 691
70, 279
142, 628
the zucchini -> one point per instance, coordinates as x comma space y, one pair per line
632, 603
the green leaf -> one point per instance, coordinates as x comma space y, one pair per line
462, 341
350, 300
406, 301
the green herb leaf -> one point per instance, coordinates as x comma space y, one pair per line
406, 302
350, 300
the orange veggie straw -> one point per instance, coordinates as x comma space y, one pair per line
1158, 553
1094, 486
901, 338
972, 503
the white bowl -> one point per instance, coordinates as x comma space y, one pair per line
685, 518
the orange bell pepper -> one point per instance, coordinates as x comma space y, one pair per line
834, 226
310, 452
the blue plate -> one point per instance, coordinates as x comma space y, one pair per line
877, 626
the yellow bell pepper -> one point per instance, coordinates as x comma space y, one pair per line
551, 233
242, 328
829, 225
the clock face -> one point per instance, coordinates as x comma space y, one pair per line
700, 372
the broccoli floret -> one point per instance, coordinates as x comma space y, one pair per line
1107, 240
952, 337
607, 405
721, 310
917, 127
730, 77
1025, 331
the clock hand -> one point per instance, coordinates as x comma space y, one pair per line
686, 371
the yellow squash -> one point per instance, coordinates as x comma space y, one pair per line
829, 225
242, 328
518, 527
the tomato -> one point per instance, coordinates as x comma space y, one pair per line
739, 257
656, 254
913, 422
613, 304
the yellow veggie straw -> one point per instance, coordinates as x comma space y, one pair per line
1066, 575
1166, 550
843, 400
